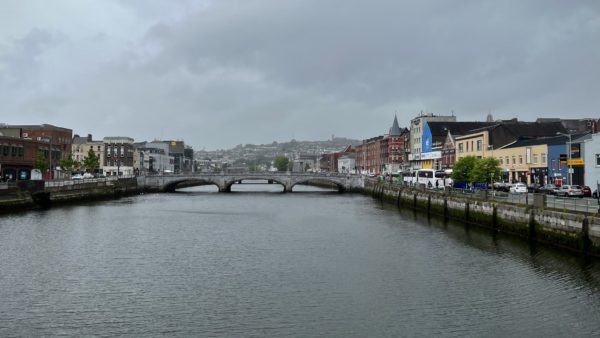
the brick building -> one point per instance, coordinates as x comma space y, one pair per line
22, 143
385, 153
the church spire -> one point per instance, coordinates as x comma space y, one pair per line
395, 129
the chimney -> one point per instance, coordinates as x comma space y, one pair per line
89, 138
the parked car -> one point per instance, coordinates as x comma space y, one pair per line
519, 188
548, 189
570, 191
77, 177
501, 186
587, 191
88, 175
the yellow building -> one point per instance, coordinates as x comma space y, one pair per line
521, 161
524, 163
476, 144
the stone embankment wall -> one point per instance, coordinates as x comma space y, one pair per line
12, 199
92, 190
17, 198
576, 231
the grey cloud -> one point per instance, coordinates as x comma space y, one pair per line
229, 72
20, 59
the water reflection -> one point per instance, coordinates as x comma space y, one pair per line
257, 262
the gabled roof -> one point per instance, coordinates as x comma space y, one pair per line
550, 140
533, 129
441, 129
526, 129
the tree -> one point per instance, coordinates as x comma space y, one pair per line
91, 162
461, 172
40, 162
486, 170
281, 163
67, 164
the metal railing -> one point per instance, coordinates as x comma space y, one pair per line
589, 205
573, 203
84, 181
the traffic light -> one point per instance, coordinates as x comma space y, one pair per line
563, 158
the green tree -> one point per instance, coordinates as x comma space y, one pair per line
67, 164
281, 163
461, 172
41, 162
486, 170
91, 162
253, 168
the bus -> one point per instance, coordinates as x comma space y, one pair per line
429, 177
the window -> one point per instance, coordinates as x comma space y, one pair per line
507, 161
479, 145
460, 147
21, 151
598, 160
501, 162
520, 159
543, 158
514, 159
14, 151
5, 150
535, 158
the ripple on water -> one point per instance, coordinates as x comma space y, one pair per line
269, 264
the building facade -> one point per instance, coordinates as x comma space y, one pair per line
53, 142
80, 149
118, 154
417, 127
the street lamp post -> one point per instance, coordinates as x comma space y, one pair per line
569, 163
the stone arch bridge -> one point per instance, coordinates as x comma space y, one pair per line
224, 182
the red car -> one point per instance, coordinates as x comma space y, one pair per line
587, 192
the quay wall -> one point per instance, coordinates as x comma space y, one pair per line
62, 192
571, 230
13, 199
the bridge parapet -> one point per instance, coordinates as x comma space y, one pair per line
224, 181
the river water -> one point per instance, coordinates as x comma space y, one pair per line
258, 263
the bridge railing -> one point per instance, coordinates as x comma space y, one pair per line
71, 182
262, 174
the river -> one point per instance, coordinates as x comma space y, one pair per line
258, 263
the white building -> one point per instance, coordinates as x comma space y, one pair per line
154, 158
417, 126
591, 158
346, 164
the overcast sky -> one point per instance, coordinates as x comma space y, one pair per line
224, 72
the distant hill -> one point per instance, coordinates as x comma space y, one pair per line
291, 149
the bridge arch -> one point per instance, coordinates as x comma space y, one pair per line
227, 184
188, 182
322, 180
